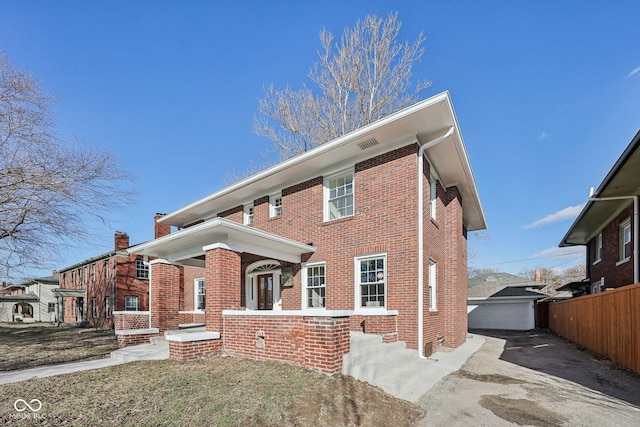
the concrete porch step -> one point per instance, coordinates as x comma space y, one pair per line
394, 368
141, 352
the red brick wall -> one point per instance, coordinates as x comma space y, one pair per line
191, 350
387, 326
315, 342
127, 284
190, 274
165, 299
614, 275
385, 193
126, 320
134, 339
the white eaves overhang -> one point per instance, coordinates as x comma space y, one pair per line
187, 246
416, 124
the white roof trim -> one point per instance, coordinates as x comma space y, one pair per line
420, 121
219, 232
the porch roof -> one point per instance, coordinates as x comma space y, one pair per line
187, 246
28, 297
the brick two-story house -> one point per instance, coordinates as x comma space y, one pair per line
367, 232
90, 291
608, 225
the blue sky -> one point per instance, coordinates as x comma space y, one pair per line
546, 94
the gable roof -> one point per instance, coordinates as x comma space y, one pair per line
623, 180
502, 285
418, 123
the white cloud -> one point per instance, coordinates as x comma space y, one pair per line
543, 135
556, 252
633, 72
562, 215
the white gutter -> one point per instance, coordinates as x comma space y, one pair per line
421, 151
636, 232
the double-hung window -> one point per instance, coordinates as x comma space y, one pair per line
625, 240
275, 205
432, 285
131, 303
200, 294
316, 285
338, 196
248, 214
107, 306
142, 269
94, 307
371, 277
433, 194
598, 254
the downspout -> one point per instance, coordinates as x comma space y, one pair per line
421, 151
636, 231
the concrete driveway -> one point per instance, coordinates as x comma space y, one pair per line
534, 378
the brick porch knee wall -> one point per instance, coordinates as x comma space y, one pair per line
191, 350
387, 326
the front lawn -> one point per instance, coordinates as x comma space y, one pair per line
29, 345
221, 391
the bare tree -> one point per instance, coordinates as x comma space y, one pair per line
362, 78
47, 187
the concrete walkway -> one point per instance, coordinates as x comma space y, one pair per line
134, 353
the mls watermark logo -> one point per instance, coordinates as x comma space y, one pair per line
28, 410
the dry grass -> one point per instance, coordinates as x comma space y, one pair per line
24, 346
220, 391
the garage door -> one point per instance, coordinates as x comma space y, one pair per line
517, 316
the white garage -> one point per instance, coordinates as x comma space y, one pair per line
502, 301
499, 314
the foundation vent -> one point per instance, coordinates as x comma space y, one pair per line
369, 143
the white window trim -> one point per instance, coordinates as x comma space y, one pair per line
356, 283
433, 285
137, 300
94, 307
624, 224
304, 278
433, 196
326, 193
272, 205
107, 307
248, 214
598, 244
144, 268
195, 295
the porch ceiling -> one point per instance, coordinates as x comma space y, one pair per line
184, 246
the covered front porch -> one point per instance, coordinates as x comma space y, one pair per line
251, 302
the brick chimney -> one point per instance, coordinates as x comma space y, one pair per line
159, 228
121, 240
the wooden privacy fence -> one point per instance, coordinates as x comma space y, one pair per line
607, 323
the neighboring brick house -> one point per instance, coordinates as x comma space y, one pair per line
92, 290
608, 225
365, 233
30, 301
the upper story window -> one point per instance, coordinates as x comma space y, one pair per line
80, 275
275, 205
200, 294
142, 269
338, 196
106, 269
248, 214
432, 196
371, 277
314, 280
625, 240
598, 252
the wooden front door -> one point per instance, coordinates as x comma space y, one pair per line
265, 292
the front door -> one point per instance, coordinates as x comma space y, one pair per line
265, 292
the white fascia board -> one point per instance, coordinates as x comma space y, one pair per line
316, 152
